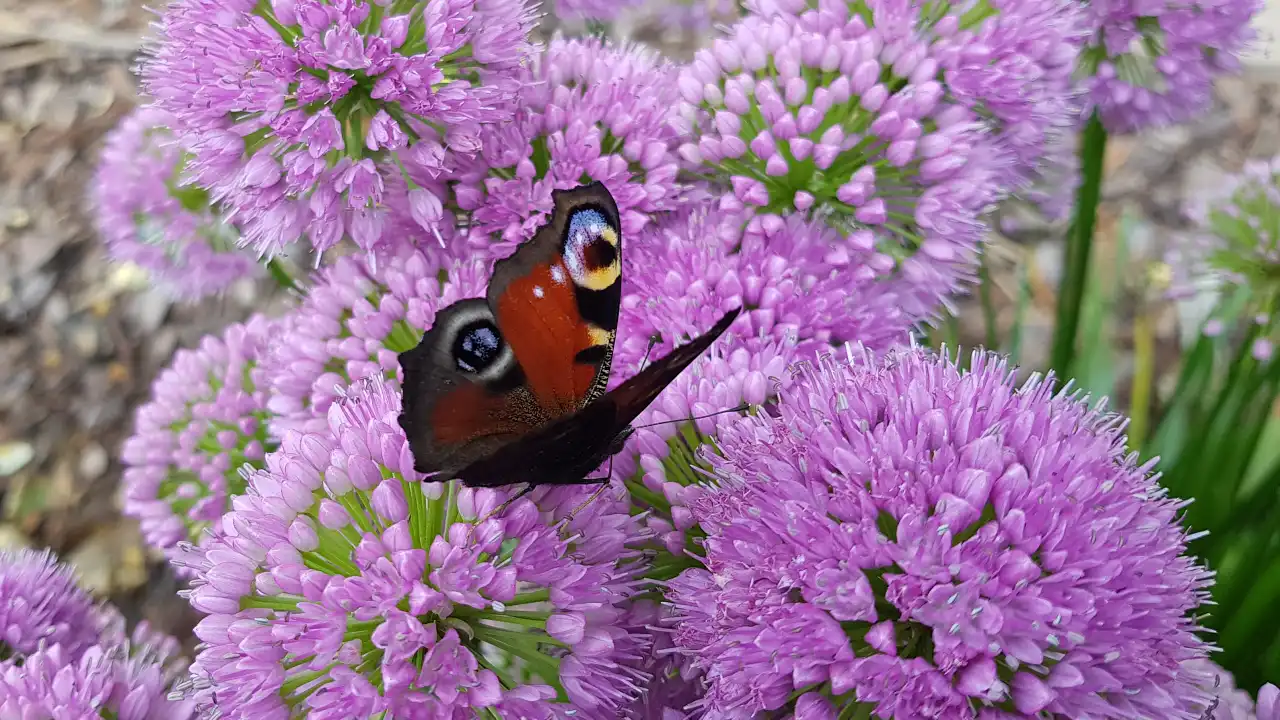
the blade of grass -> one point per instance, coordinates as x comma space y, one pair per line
1075, 266
1144, 368
988, 304
1020, 312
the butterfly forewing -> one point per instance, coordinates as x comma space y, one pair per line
557, 299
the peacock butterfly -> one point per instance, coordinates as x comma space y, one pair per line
511, 388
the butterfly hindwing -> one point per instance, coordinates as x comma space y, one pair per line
567, 449
464, 392
557, 299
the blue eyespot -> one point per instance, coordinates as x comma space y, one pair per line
477, 346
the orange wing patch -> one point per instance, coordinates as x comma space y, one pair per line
541, 322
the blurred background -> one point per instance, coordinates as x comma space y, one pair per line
81, 338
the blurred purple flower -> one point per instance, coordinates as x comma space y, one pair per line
354, 322
1227, 702
590, 111
805, 121
1153, 62
295, 109
938, 543
1236, 241
342, 585
147, 216
117, 679
41, 604
598, 10
1269, 702
206, 420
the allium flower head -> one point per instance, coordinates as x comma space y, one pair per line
343, 586
41, 604
1009, 61
355, 321
290, 106
146, 215
205, 421
119, 680
935, 543
591, 111
836, 124
802, 288
1153, 62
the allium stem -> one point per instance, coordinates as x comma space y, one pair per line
1075, 265
281, 275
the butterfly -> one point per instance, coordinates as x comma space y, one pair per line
511, 388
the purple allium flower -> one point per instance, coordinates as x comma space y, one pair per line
294, 109
353, 324
147, 216
41, 604
591, 111
1009, 61
1153, 62
673, 686
117, 680
341, 585
206, 420
1269, 702
932, 543
1226, 702
598, 10
823, 122
803, 288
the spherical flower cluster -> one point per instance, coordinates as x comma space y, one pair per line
289, 107
41, 604
342, 585
831, 124
1153, 63
591, 111
1009, 61
925, 542
118, 680
206, 420
802, 288
355, 321
147, 215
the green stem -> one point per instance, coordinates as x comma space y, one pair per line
280, 275
1075, 266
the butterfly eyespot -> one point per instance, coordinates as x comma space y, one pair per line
477, 346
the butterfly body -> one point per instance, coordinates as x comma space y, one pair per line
512, 388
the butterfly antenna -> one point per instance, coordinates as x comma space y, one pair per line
644, 362
743, 407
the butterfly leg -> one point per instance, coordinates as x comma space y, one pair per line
604, 485
528, 488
